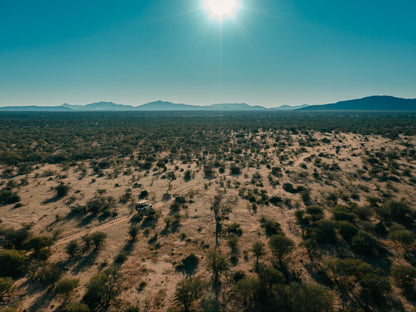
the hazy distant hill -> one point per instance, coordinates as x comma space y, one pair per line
99, 106
371, 103
165, 106
35, 109
288, 107
233, 106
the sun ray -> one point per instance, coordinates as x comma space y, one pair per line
221, 8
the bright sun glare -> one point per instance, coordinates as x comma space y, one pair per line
221, 8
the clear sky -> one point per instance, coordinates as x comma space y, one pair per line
270, 52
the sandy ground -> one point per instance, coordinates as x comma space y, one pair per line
149, 275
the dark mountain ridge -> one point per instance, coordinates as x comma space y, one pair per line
371, 103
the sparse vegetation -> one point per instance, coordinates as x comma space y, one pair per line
102, 289
288, 212
187, 291
66, 286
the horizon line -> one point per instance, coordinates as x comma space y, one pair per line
200, 105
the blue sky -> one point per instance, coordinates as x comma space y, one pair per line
272, 52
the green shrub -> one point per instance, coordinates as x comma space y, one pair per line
245, 293
134, 231
258, 250
404, 276
232, 242
217, 264
269, 276
234, 170
7, 197
375, 288
73, 248
49, 273
8, 309
175, 207
12, 263
325, 231
189, 264
6, 285
400, 234
347, 230
311, 247
310, 298
277, 172
342, 213
76, 307
61, 190
316, 213
396, 211
13, 239
100, 204
364, 213
275, 200
347, 272
187, 291
364, 244
97, 239
66, 286
102, 289
143, 194
37, 243
302, 219
306, 196
43, 254
288, 187
271, 227
209, 172
187, 175
235, 228
281, 246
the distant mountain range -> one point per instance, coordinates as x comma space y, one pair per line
288, 107
168, 106
152, 106
100, 106
372, 103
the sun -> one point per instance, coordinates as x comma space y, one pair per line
221, 8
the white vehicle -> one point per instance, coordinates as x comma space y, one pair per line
143, 205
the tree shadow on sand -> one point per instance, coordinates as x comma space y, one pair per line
85, 262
